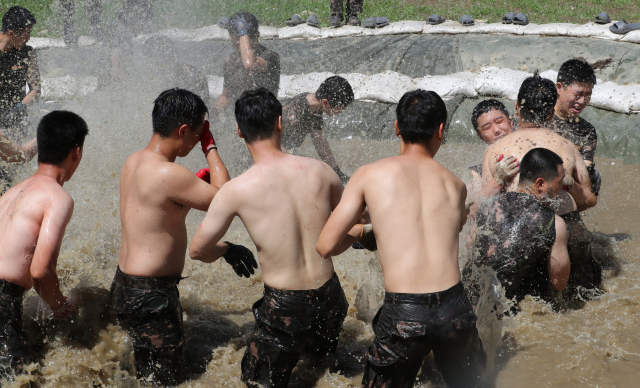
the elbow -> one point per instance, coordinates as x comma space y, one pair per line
323, 249
39, 275
194, 253
248, 64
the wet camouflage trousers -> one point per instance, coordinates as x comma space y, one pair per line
409, 326
585, 271
14, 351
289, 323
354, 7
149, 310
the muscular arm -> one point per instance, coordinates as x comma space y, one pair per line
33, 79
463, 207
581, 189
12, 152
323, 149
185, 188
559, 264
344, 216
217, 169
250, 60
45, 257
205, 245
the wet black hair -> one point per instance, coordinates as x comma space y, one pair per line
337, 91
17, 19
59, 132
243, 17
576, 70
484, 107
175, 107
537, 99
419, 115
256, 114
539, 163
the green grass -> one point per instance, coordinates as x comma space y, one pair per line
198, 13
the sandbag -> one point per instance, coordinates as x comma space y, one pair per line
341, 32
67, 87
215, 84
302, 31
592, 30
386, 87
404, 27
459, 84
494, 81
551, 29
448, 27
267, 32
498, 28
304, 83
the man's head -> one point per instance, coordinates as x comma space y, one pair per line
258, 115
335, 94
491, 121
17, 24
420, 118
542, 173
536, 100
241, 24
60, 138
181, 114
576, 80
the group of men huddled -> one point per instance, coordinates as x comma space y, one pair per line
528, 193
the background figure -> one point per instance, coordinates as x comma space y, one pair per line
94, 12
354, 7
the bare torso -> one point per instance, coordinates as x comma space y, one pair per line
417, 210
154, 234
22, 210
522, 141
284, 204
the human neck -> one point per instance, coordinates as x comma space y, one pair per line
165, 147
525, 125
265, 150
562, 115
417, 150
315, 105
59, 173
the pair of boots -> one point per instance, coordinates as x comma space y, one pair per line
336, 20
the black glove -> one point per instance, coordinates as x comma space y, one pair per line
241, 259
343, 177
596, 179
239, 26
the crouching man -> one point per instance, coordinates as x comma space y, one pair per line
417, 210
284, 201
33, 218
156, 195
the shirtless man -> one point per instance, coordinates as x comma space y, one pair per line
33, 218
535, 107
417, 210
284, 201
156, 195
521, 237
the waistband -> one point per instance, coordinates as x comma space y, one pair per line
433, 298
11, 289
325, 289
146, 283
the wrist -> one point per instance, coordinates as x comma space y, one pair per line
64, 300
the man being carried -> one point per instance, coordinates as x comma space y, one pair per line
251, 65
33, 218
18, 67
156, 195
417, 210
535, 104
303, 116
520, 236
284, 201
576, 80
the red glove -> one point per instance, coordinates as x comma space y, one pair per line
207, 141
204, 175
500, 157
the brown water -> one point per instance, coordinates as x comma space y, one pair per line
596, 346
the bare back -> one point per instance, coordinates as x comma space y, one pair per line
417, 211
522, 141
23, 210
154, 234
284, 204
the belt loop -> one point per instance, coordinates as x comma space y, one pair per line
438, 297
395, 297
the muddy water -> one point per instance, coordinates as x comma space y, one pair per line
596, 346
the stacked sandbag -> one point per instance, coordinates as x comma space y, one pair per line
67, 87
448, 86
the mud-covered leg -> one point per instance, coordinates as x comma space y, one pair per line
94, 12
396, 375
14, 350
67, 9
265, 365
460, 357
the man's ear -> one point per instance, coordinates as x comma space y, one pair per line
239, 133
559, 87
182, 131
397, 129
541, 185
440, 132
278, 128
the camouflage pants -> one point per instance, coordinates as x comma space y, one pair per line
354, 7
585, 271
149, 310
289, 323
409, 326
14, 351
